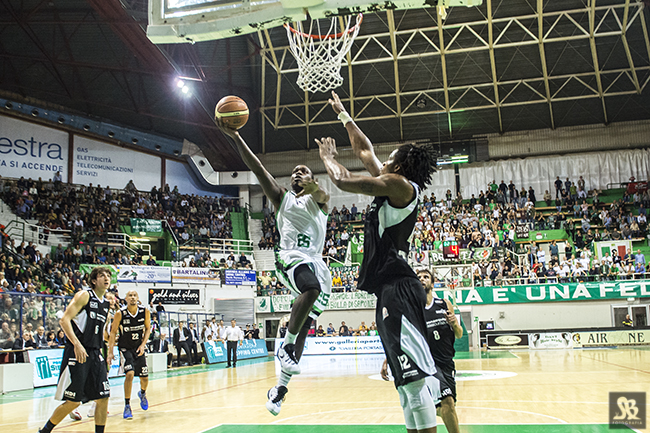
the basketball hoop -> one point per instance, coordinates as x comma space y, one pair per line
320, 54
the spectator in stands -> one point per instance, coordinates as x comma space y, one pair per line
344, 331
160, 345
60, 337
24, 343
6, 336
40, 339
320, 332
558, 187
330, 330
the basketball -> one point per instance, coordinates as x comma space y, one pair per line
233, 111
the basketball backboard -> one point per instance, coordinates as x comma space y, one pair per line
189, 21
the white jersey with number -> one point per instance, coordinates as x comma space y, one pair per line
301, 224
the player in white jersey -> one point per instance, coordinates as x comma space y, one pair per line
302, 222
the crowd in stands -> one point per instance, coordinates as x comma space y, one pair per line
90, 212
562, 267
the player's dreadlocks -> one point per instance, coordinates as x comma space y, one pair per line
417, 162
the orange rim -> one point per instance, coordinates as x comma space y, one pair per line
321, 37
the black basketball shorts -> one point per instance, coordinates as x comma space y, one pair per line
446, 374
83, 382
130, 361
402, 328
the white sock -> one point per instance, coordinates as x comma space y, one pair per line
290, 338
284, 379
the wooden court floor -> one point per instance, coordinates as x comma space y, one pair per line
552, 391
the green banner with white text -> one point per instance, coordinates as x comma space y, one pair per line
556, 292
145, 225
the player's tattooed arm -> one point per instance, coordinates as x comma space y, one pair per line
268, 183
397, 188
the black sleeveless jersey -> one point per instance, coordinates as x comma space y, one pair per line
88, 325
440, 332
131, 328
386, 243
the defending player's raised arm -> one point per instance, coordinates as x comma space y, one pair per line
78, 302
361, 144
117, 320
269, 185
397, 188
312, 187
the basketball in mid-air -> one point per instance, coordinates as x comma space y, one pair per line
233, 111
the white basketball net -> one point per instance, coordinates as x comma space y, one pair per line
320, 53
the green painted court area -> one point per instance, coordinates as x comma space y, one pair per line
501, 428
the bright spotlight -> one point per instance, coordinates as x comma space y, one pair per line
185, 90
180, 83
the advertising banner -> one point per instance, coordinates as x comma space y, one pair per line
611, 338
339, 346
196, 275
240, 277
174, 296
215, 351
507, 341
47, 365
144, 274
551, 340
103, 164
31, 150
550, 292
145, 225
86, 269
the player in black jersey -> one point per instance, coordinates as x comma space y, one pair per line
443, 328
385, 272
83, 376
133, 322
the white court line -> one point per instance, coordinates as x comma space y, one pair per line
393, 407
210, 428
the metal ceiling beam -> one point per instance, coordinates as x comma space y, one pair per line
542, 55
594, 55
577, 33
489, 104
553, 27
443, 64
626, 45
645, 37
390, 16
493, 65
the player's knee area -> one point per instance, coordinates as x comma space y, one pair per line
305, 279
418, 405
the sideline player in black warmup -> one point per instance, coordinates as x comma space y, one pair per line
134, 325
444, 328
83, 375
385, 272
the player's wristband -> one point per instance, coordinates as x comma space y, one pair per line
344, 117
